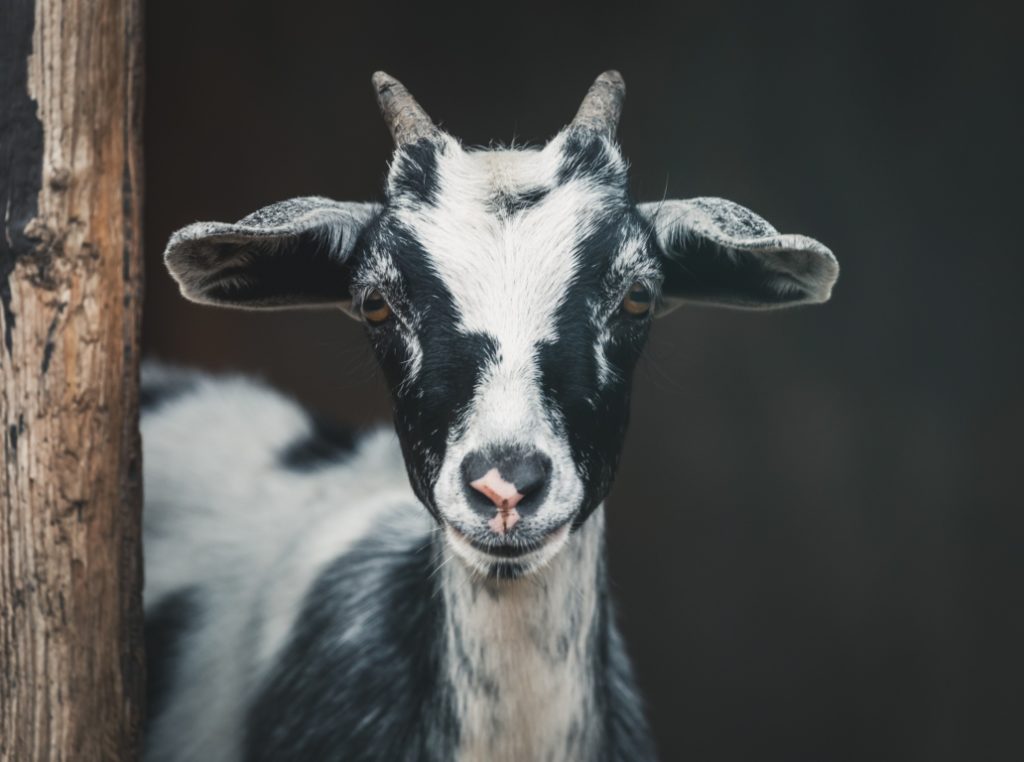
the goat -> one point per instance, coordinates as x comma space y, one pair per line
300, 603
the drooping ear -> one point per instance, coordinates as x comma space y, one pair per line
291, 254
718, 252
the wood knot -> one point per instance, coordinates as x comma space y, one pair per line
60, 180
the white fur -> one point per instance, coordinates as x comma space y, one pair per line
223, 519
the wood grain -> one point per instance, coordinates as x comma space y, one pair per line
70, 283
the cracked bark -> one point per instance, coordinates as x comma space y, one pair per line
70, 284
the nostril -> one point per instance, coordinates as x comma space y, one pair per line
508, 480
529, 474
531, 477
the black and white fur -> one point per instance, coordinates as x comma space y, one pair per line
301, 603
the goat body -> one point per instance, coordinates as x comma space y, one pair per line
300, 604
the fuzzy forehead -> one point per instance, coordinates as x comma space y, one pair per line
508, 230
504, 180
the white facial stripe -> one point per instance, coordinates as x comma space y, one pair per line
508, 276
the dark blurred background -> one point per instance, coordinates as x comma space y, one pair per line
816, 534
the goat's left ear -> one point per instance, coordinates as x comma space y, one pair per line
718, 252
291, 254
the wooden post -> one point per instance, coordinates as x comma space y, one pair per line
71, 677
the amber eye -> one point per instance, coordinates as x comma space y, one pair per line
638, 300
375, 308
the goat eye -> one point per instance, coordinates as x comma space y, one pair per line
638, 300
375, 308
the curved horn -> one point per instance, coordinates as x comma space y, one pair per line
405, 118
602, 104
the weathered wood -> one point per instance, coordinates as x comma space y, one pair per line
70, 284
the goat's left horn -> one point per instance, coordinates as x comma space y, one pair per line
602, 105
405, 118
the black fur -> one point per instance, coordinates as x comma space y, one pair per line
585, 155
326, 444
627, 734
510, 204
156, 392
165, 626
595, 417
380, 695
414, 174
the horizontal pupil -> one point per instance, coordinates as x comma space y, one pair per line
640, 295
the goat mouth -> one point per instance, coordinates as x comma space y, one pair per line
509, 551
505, 549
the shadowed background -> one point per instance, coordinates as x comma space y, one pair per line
815, 535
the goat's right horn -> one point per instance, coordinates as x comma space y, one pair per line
602, 105
405, 118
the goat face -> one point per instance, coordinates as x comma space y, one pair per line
506, 340
508, 294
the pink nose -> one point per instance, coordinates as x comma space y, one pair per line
503, 494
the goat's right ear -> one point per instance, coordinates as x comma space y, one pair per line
291, 254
